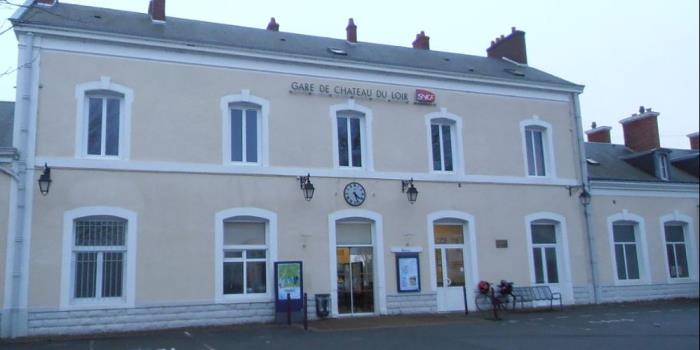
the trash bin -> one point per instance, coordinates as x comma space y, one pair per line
323, 305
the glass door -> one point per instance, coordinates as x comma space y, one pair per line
449, 266
355, 280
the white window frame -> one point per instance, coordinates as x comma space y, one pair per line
244, 133
270, 219
664, 167
365, 132
691, 253
226, 104
82, 94
67, 267
565, 284
455, 123
642, 250
547, 146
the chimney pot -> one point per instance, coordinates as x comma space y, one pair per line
641, 130
422, 41
694, 139
156, 8
46, 2
351, 31
598, 133
273, 25
511, 47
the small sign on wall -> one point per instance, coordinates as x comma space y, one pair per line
501, 243
407, 273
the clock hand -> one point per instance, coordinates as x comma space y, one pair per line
356, 196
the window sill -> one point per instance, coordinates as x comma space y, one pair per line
630, 283
680, 280
249, 298
96, 304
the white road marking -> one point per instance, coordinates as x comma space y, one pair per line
587, 315
207, 346
654, 311
612, 321
188, 334
562, 317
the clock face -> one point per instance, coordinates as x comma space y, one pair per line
354, 194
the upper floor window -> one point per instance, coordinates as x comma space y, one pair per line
535, 149
245, 133
441, 138
676, 250
245, 129
663, 167
350, 132
103, 119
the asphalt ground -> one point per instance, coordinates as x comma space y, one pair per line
649, 325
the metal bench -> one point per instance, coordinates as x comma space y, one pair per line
536, 293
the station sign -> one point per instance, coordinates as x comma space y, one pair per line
419, 96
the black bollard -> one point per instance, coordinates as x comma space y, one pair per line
289, 310
306, 312
464, 292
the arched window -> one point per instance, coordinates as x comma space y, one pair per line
680, 246
548, 252
445, 142
352, 136
99, 257
245, 129
245, 250
628, 248
538, 151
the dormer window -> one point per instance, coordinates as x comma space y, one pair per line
662, 167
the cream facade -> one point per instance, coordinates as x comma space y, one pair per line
176, 217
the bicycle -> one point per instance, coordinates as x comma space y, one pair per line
489, 299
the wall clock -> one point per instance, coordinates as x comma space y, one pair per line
354, 194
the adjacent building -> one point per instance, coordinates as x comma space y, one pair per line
181, 156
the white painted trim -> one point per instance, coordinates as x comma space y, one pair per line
550, 166
365, 128
636, 116
131, 47
377, 242
406, 249
270, 241
22, 9
642, 250
199, 168
565, 284
456, 138
690, 247
263, 133
129, 287
634, 193
81, 117
469, 247
644, 189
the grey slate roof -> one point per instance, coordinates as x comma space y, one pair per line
198, 33
7, 111
613, 167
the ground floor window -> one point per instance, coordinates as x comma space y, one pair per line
544, 253
676, 252
355, 267
626, 255
245, 257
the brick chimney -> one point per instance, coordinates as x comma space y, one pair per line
273, 25
351, 31
599, 134
641, 130
422, 41
511, 47
156, 8
693, 140
46, 2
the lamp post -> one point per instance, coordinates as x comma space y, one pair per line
45, 180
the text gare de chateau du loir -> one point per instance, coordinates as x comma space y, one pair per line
421, 96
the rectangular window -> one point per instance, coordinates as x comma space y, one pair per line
544, 253
103, 125
663, 167
676, 251
350, 141
626, 257
245, 258
98, 258
441, 139
245, 134
534, 145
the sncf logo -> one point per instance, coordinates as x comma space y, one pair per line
425, 97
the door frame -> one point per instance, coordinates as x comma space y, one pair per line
469, 250
377, 225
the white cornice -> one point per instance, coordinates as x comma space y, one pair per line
126, 41
644, 189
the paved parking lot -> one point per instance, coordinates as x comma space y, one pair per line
649, 325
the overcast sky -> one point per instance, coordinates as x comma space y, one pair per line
626, 52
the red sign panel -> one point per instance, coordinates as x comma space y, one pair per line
425, 97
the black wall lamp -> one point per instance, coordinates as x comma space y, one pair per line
408, 188
307, 187
45, 180
584, 197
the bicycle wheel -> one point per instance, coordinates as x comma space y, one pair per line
483, 302
507, 302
